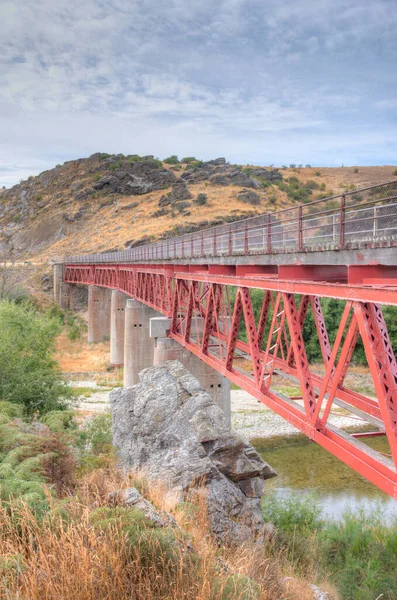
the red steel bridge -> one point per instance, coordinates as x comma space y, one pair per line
239, 296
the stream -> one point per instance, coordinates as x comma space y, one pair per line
305, 468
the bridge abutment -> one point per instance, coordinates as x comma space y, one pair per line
117, 326
99, 301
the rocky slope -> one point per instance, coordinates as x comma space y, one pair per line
108, 202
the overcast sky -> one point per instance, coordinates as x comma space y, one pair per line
257, 81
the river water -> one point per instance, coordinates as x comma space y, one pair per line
304, 468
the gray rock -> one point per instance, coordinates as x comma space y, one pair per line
129, 206
269, 174
180, 191
249, 197
173, 430
130, 497
220, 179
81, 195
164, 200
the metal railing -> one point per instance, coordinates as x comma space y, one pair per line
357, 218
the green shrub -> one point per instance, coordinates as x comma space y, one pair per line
201, 199
355, 170
172, 160
96, 176
273, 199
292, 166
104, 155
292, 513
317, 173
29, 374
308, 166
196, 163
312, 185
188, 159
395, 172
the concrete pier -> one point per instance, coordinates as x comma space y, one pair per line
99, 300
210, 380
65, 296
59, 269
117, 323
138, 345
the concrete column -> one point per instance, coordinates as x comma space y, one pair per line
209, 379
65, 295
117, 323
212, 382
99, 300
138, 345
59, 269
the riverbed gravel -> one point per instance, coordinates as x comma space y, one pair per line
250, 418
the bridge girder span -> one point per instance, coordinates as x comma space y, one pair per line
214, 317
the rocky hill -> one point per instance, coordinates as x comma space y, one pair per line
108, 202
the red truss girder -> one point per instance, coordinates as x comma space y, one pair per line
213, 316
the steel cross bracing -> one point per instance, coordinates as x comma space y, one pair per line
213, 316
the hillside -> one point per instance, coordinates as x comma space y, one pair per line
108, 202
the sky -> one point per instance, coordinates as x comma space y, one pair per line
257, 81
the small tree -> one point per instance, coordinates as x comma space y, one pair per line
172, 160
29, 375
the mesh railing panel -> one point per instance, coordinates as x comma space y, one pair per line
364, 216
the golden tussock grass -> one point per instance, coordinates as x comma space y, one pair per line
70, 554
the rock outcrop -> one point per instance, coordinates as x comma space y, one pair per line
174, 431
136, 178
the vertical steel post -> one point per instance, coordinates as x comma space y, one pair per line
342, 221
300, 232
269, 234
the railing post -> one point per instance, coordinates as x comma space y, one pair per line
191, 246
202, 243
342, 222
300, 233
183, 247
214, 245
269, 233
245, 238
174, 247
375, 228
230, 240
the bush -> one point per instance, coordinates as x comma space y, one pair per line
273, 199
29, 374
355, 170
172, 160
317, 173
201, 199
395, 172
104, 155
188, 159
197, 163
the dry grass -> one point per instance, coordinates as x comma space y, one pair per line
66, 555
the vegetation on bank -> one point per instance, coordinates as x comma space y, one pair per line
357, 555
29, 375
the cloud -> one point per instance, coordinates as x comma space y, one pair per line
255, 80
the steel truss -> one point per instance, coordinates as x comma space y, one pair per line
214, 317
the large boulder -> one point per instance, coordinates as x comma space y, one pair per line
174, 431
180, 191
